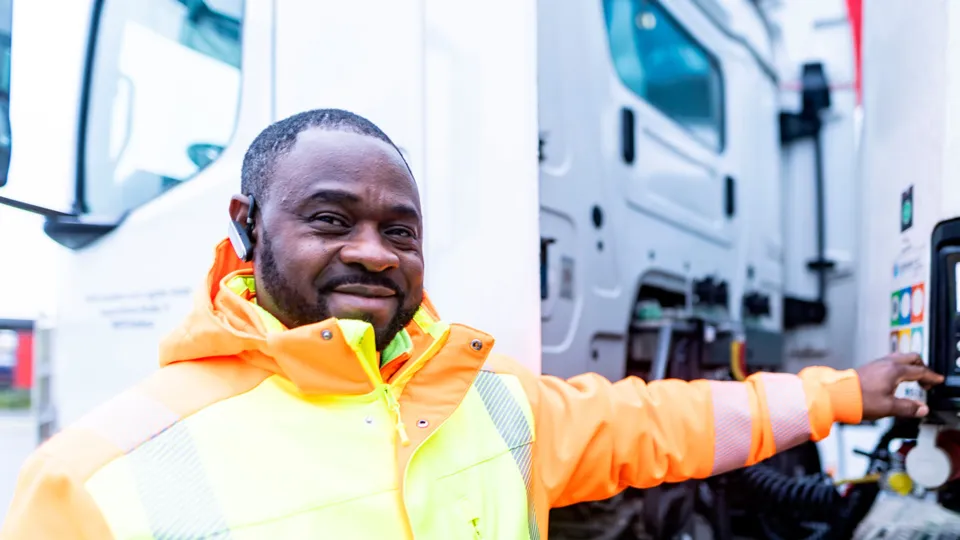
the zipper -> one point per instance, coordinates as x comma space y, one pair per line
476, 529
394, 407
399, 382
412, 367
406, 470
405, 374
475, 523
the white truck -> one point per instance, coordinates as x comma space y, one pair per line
694, 163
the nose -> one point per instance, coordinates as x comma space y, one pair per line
367, 248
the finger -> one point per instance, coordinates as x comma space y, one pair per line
909, 359
921, 374
930, 379
909, 408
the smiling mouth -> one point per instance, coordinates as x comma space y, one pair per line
366, 291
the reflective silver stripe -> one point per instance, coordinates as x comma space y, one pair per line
515, 430
732, 425
176, 497
787, 403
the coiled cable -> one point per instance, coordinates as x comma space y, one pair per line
810, 496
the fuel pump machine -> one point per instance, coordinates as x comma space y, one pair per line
935, 460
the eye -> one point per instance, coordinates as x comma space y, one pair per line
329, 219
402, 232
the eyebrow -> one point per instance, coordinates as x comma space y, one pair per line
405, 210
336, 196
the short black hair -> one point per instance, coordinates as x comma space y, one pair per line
278, 138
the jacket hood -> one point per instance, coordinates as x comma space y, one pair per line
332, 356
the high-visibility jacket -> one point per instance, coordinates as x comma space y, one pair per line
250, 430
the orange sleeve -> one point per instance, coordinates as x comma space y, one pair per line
50, 503
596, 438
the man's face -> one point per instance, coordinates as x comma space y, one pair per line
340, 235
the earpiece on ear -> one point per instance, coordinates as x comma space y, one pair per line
240, 241
253, 208
241, 235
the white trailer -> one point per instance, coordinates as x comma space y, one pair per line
910, 161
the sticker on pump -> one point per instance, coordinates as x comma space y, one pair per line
905, 341
916, 341
917, 299
906, 304
906, 209
910, 390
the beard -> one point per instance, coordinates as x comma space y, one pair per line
297, 311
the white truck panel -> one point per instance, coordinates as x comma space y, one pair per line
950, 196
819, 31
903, 171
107, 330
473, 149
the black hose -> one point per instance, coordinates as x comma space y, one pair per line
812, 497
785, 502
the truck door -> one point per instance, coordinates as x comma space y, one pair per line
669, 115
146, 120
633, 172
672, 115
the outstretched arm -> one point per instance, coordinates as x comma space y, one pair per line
596, 438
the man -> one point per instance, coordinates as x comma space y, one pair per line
315, 392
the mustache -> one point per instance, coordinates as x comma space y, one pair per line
360, 279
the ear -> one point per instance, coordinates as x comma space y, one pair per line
239, 208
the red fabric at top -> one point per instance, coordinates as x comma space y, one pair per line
855, 13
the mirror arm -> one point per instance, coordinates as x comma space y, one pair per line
34, 209
78, 232
71, 231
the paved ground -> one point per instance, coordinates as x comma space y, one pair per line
17, 434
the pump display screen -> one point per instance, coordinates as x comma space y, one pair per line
953, 266
956, 287
944, 316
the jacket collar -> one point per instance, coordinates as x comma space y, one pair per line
330, 357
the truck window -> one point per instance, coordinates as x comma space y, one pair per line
662, 64
163, 98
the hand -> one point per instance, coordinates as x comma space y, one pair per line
879, 380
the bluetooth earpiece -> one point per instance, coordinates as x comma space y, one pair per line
241, 234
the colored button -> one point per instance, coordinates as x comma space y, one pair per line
900, 483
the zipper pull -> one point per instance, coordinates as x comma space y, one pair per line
394, 406
476, 529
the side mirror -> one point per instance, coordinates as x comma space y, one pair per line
4, 165
5, 143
